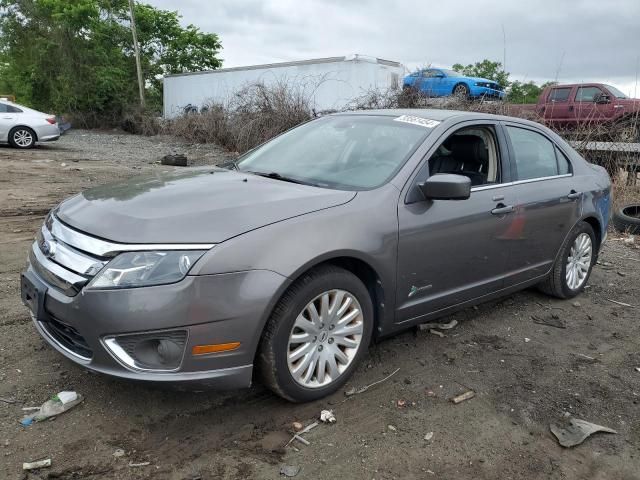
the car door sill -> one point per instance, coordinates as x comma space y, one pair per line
474, 301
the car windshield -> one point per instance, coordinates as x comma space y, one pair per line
616, 93
346, 152
450, 73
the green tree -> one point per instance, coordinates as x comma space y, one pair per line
485, 69
521, 92
76, 56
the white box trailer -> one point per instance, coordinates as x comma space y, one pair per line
329, 83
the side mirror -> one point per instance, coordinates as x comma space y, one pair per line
602, 98
446, 186
439, 75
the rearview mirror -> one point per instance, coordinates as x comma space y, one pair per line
446, 186
602, 98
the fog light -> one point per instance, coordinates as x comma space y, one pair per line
169, 351
160, 351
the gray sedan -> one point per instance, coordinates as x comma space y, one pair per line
287, 263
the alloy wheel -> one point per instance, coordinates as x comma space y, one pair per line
23, 138
325, 338
579, 261
460, 91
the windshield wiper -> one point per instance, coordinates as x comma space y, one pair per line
277, 176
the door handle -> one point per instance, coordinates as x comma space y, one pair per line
502, 209
573, 195
571, 108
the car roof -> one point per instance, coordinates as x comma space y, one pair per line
571, 85
436, 114
22, 107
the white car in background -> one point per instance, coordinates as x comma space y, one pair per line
22, 127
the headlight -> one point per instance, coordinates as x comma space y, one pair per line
143, 269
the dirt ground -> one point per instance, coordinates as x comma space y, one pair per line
526, 375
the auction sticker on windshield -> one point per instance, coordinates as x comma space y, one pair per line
423, 122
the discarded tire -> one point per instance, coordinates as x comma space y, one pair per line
174, 160
627, 219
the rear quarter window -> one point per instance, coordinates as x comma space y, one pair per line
564, 165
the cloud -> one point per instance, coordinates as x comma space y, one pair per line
581, 40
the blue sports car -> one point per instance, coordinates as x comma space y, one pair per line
440, 82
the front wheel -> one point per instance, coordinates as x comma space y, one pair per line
573, 265
461, 91
316, 335
22, 137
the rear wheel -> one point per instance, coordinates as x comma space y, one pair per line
22, 137
573, 265
316, 336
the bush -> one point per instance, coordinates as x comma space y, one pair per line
254, 115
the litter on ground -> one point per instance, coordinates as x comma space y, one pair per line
576, 432
464, 396
327, 416
36, 465
58, 404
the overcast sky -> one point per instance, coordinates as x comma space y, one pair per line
577, 40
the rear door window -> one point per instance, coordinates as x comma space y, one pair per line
535, 155
4, 108
559, 94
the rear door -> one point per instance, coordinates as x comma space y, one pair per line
558, 106
7, 120
548, 204
452, 251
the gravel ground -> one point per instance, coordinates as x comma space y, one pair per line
525, 375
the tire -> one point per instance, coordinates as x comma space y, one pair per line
557, 283
461, 90
22, 137
274, 367
627, 219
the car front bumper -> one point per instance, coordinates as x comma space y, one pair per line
486, 92
212, 309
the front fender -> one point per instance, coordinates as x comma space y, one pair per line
365, 228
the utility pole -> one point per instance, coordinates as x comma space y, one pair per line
504, 50
136, 50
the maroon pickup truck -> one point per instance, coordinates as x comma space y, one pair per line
590, 104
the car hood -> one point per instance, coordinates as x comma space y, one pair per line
629, 103
480, 79
207, 205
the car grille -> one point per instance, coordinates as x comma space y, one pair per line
60, 264
68, 337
